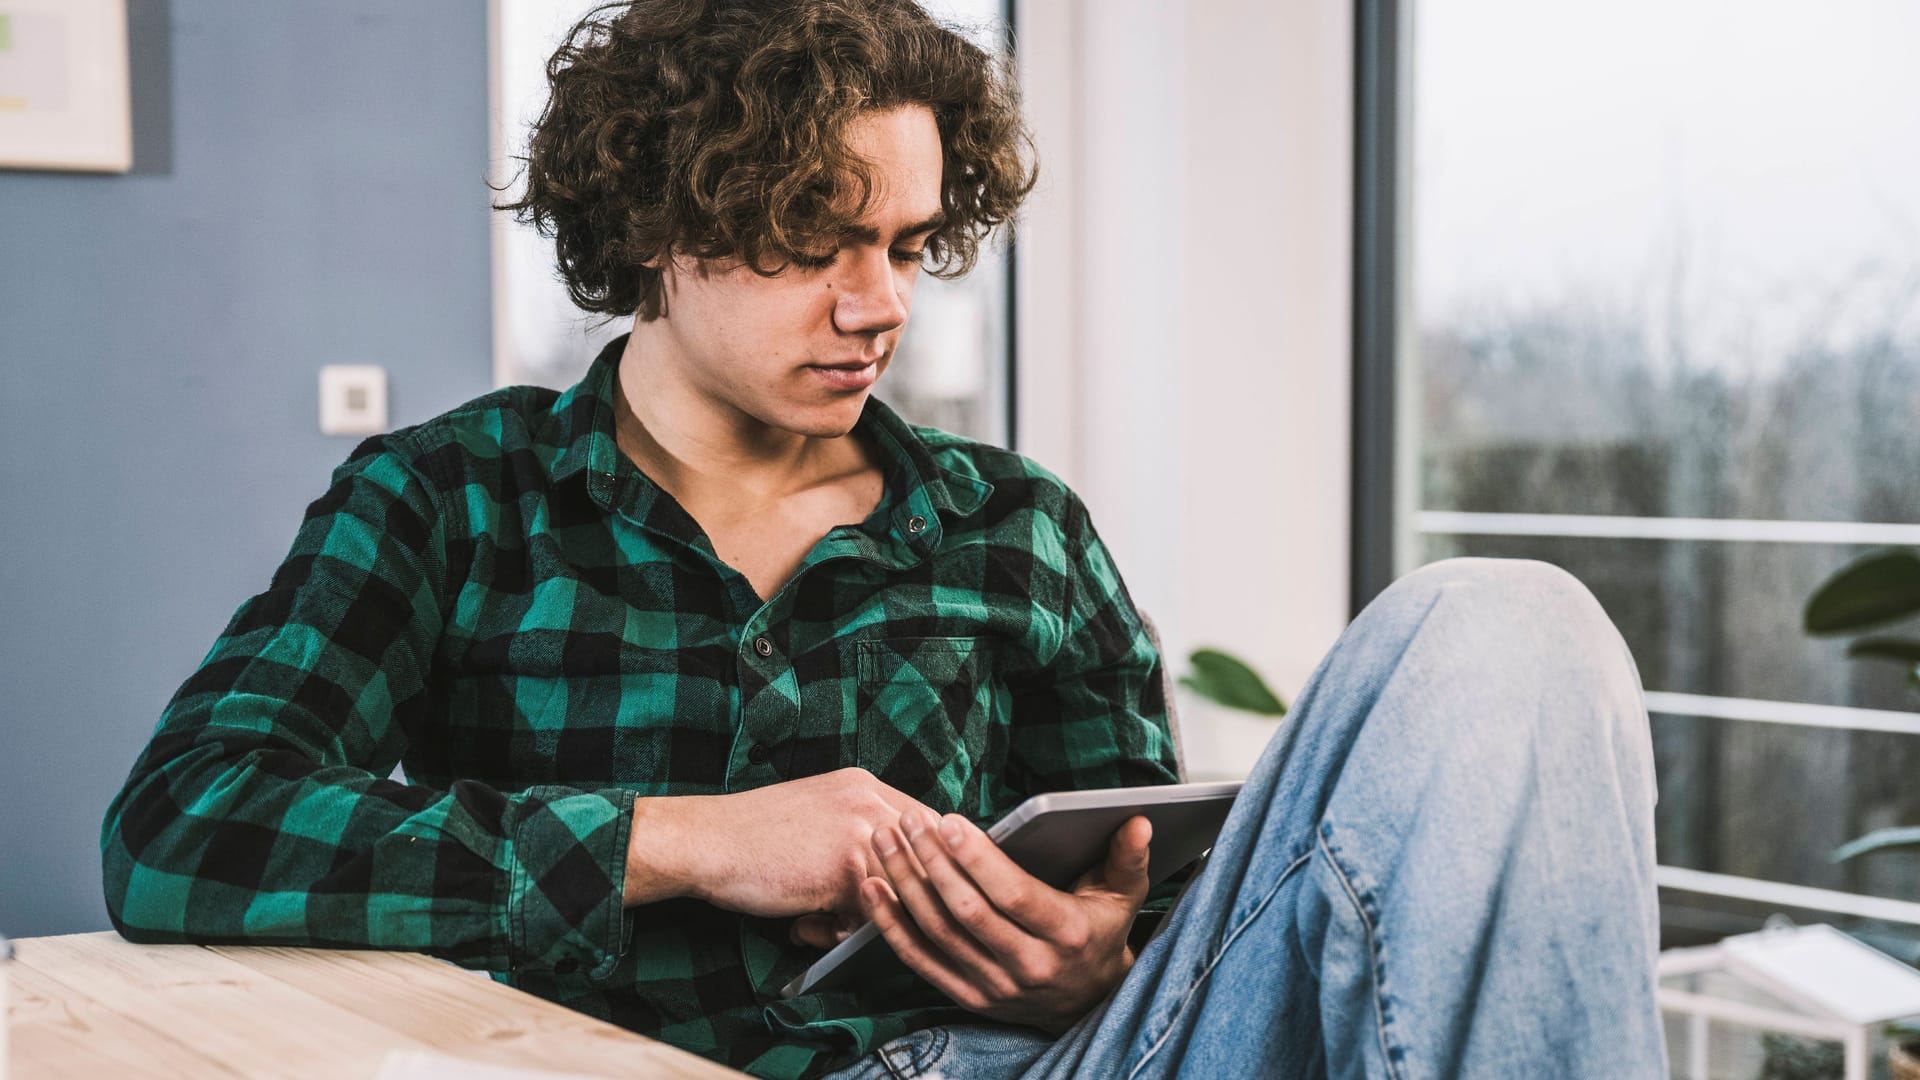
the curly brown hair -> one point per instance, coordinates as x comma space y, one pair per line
717, 129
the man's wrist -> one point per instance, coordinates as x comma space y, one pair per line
657, 851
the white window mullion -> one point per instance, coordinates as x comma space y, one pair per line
1784, 712
1804, 897
1610, 526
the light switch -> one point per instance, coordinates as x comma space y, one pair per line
353, 399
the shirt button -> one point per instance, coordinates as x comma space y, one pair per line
757, 754
916, 523
762, 646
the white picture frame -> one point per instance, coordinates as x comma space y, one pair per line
65, 101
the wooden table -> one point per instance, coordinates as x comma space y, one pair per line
94, 1005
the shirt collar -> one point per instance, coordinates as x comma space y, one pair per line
917, 485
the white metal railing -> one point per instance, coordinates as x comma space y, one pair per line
1845, 717
1665, 528
1794, 896
1776, 892
1671, 703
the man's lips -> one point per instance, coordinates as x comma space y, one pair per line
853, 375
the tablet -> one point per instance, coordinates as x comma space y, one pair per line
1056, 837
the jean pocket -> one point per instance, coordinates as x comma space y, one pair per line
923, 714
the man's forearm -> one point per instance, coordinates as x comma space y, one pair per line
799, 847
658, 867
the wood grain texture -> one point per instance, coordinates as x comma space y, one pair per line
452, 1010
94, 1004
60, 1032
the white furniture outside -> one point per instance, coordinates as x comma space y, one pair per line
1811, 981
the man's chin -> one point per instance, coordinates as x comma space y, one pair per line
830, 420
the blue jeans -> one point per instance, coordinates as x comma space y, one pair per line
1442, 866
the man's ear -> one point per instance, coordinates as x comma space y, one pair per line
665, 266
653, 292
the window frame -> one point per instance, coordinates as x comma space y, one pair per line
1379, 60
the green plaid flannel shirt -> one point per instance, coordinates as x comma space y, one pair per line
499, 601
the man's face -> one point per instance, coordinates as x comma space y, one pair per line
800, 352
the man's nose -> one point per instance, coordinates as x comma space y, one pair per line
869, 300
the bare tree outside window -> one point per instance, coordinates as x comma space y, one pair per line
1666, 334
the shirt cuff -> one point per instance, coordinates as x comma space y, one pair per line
566, 862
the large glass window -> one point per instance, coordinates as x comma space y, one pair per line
1661, 326
954, 365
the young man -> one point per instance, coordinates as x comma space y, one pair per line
708, 660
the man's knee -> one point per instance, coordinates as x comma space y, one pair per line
1521, 616
1531, 645
1522, 589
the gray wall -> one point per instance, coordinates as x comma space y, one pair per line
308, 188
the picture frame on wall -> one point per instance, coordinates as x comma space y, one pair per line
64, 88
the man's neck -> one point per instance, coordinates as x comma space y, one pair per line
701, 449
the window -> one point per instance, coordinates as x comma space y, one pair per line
1658, 322
954, 368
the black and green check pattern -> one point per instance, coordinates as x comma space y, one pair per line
498, 600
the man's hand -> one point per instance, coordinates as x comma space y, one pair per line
994, 938
796, 848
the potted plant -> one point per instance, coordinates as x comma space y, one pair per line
1229, 718
1790, 1057
1903, 1053
1872, 593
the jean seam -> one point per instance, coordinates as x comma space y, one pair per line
1207, 971
942, 1042
1373, 954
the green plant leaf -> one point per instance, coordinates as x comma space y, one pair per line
1901, 836
1877, 588
1904, 649
1229, 681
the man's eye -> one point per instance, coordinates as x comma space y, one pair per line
815, 262
909, 258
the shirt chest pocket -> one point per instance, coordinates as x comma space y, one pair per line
924, 715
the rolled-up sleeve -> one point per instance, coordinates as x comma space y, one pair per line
261, 810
